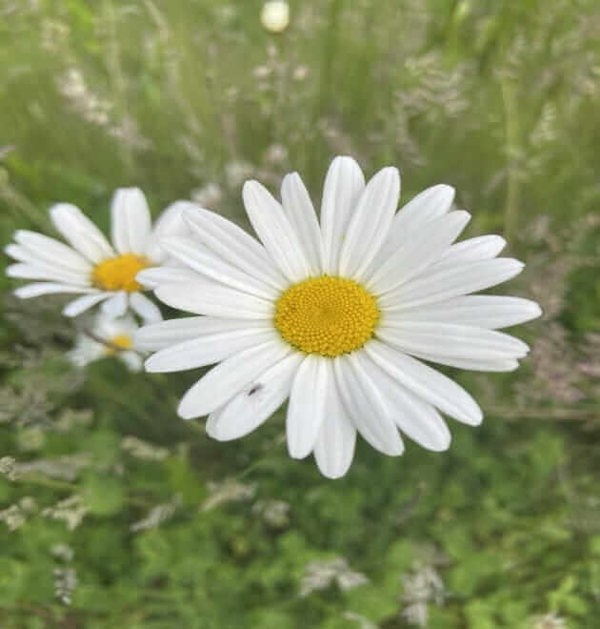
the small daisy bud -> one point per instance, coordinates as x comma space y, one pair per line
275, 16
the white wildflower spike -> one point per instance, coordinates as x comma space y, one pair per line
336, 314
91, 267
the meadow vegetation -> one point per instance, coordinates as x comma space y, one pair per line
114, 512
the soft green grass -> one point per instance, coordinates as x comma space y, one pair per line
499, 99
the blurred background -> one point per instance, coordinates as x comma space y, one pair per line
115, 513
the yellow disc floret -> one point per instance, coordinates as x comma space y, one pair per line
119, 273
118, 343
326, 315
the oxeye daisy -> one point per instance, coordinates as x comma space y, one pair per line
89, 265
107, 336
337, 314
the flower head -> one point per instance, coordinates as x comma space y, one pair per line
89, 265
108, 336
335, 314
275, 16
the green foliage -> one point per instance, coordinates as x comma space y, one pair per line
114, 513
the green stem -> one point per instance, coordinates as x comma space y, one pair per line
512, 144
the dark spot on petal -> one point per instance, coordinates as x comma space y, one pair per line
255, 389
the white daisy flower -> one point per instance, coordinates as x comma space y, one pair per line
335, 314
108, 336
90, 266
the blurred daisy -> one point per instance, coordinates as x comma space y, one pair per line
108, 336
335, 314
90, 266
275, 16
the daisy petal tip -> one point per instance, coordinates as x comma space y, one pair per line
129, 190
297, 454
445, 190
11, 272
291, 178
59, 211
251, 186
155, 364
296, 449
19, 235
463, 216
442, 447
142, 276
536, 310
346, 166
20, 293
185, 412
333, 474
391, 174
476, 419
344, 160
8, 248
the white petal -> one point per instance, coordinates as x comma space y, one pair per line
417, 419
366, 406
334, 447
230, 377
144, 308
275, 231
204, 261
166, 333
18, 253
155, 276
52, 251
81, 304
424, 207
343, 186
441, 341
130, 221
259, 399
132, 360
108, 327
86, 351
45, 272
445, 283
370, 223
414, 256
306, 408
483, 311
46, 264
48, 288
211, 299
116, 305
474, 249
80, 232
234, 245
426, 382
169, 223
301, 214
491, 364
207, 349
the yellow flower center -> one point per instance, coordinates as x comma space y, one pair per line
118, 343
326, 315
119, 273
